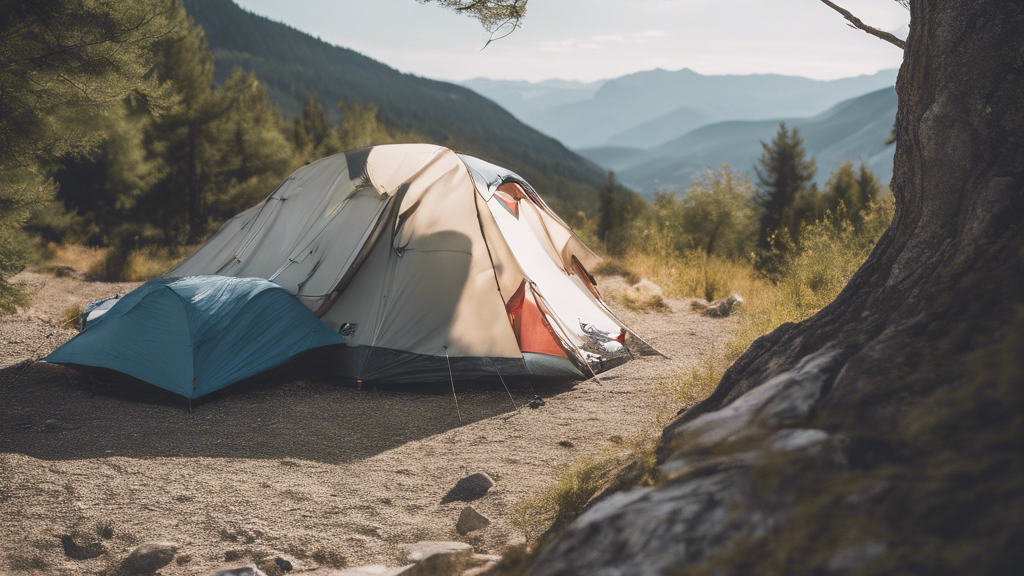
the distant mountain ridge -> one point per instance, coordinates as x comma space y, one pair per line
851, 130
621, 111
294, 64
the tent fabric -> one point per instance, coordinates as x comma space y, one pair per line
196, 335
414, 253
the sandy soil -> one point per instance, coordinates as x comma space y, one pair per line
322, 472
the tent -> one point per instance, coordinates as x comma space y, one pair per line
196, 335
432, 265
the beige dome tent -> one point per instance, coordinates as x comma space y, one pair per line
430, 264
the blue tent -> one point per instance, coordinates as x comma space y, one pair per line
198, 334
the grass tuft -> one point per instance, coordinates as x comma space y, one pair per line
71, 318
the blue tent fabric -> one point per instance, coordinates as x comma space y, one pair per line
198, 334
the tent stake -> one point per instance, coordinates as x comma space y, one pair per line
453, 384
502, 382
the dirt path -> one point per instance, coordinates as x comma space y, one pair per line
306, 468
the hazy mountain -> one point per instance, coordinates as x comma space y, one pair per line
674, 102
294, 64
854, 129
526, 100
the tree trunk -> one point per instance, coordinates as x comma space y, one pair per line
953, 248
863, 440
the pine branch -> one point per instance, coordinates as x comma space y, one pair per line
857, 23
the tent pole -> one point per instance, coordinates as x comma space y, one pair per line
502, 382
453, 384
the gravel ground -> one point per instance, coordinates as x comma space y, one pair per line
305, 467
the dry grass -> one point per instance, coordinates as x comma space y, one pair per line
624, 462
71, 317
690, 275
122, 265
696, 385
56, 257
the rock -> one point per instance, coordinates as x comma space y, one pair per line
852, 559
719, 308
430, 558
481, 564
148, 558
373, 570
796, 439
653, 531
787, 398
469, 488
83, 551
470, 520
242, 571
276, 565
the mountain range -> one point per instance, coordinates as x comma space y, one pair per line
294, 65
853, 130
649, 108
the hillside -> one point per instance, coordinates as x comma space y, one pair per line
527, 100
851, 130
675, 102
294, 64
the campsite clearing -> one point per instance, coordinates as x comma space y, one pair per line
306, 468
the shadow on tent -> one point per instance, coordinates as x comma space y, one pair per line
54, 412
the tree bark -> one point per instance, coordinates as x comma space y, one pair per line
952, 255
829, 467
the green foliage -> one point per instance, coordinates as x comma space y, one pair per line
783, 174
714, 217
831, 252
61, 61
493, 14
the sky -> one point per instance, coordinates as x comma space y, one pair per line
597, 39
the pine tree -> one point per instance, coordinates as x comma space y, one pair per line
842, 191
868, 186
783, 172
61, 61
313, 132
188, 131
258, 155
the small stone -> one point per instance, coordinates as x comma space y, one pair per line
436, 557
373, 570
243, 571
469, 488
566, 444
148, 558
276, 565
83, 551
470, 520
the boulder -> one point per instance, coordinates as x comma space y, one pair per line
430, 558
469, 488
470, 520
148, 558
719, 308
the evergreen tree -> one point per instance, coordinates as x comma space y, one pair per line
188, 132
60, 61
313, 133
783, 172
868, 186
842, 191
258, 154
